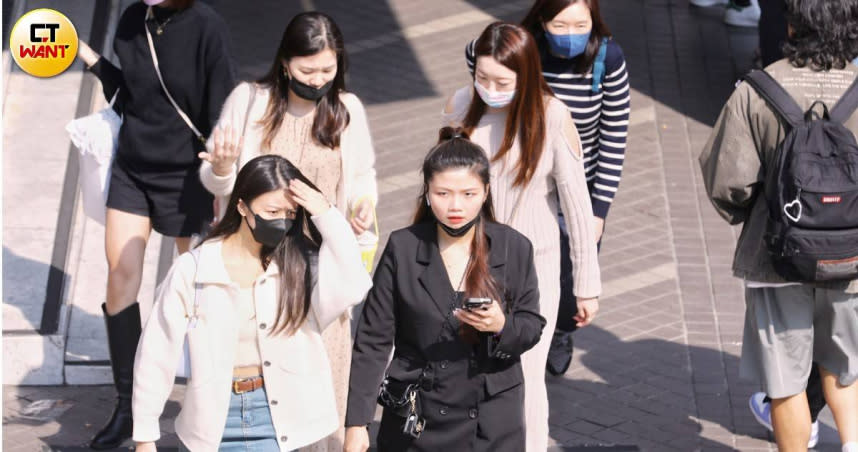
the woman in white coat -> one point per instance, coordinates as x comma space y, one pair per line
301, 110
253, 299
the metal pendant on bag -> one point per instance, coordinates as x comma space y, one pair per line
414, 423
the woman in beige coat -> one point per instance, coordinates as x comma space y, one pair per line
301, 111
252, 302
535, 152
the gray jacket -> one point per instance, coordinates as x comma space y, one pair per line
743, 142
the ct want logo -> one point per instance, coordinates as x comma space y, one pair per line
43, 42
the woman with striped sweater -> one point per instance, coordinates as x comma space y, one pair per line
586, 70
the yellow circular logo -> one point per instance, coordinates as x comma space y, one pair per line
43, 42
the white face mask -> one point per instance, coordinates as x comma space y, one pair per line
494, 99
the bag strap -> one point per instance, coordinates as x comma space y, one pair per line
847, 104
161, 79
113, 99
599, 65
195, 253
776, 96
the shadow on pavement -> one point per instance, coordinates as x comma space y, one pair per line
384, 74
642, 390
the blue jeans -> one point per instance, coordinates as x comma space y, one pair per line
249, 427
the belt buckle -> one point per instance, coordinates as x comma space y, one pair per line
235, 383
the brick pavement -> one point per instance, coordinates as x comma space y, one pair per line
659, 369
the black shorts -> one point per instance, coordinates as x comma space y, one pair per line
174, 199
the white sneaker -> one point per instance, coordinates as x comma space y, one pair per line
743, 16
814, 435
762, 412
705, 3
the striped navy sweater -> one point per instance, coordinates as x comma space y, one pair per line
602, 118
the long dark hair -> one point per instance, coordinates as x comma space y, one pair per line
295, 253
308, 34
513, 47
455, 150
544, 11
824, 33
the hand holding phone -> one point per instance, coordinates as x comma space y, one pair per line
477, 303
481, 313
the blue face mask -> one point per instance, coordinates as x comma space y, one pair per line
568, 46
855, 61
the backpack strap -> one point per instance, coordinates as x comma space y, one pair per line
599, 65
847, 104
776, 96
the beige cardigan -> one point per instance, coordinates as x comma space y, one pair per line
296, 368
559, 176
358, 157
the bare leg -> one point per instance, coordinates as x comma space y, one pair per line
791, 422
125, 240
183, 244
843, 401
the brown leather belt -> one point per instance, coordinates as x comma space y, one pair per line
246, 379
242, 385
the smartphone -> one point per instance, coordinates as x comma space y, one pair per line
476, 303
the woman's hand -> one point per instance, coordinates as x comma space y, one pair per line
85, 53
357, 439
599, 225
312, 200
227, 147
363, 217
489, 319
145, 447
587, 309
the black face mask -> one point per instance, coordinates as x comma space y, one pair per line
305, 91
269, 232
460, 231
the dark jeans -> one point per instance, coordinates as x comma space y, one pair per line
568, 303
815, 396
772, 29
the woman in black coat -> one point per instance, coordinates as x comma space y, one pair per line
465, 361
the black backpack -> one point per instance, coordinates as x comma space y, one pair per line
811, 188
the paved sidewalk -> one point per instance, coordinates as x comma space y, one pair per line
659, 369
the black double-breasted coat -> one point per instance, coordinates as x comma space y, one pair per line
472, 396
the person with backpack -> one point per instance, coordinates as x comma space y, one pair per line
783, 162
586, 70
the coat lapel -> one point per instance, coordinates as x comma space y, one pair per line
434, 278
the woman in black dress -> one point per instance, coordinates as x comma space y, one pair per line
154, 181
464, 359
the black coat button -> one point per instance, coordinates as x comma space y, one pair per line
444, 364
262, 326
473, 413
267, 363
443, 411
283, 438
273, 402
